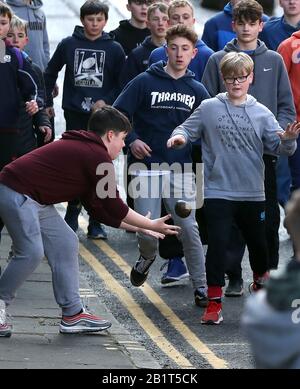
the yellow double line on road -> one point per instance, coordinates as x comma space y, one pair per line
139, 315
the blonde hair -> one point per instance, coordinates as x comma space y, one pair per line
234, 63
18, 23
180, 3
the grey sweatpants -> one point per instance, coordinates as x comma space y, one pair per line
169, 189
37, 231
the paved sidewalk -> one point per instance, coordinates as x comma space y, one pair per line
37, 344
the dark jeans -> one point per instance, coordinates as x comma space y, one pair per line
249, 217
236, 246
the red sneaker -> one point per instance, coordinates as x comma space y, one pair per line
213, 313
258, 282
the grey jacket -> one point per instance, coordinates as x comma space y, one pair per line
233, 140
38, 45
271, 85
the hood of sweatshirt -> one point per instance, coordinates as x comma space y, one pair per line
148, 44
228, 9
79, 34
35, 4
82, 135
157, 69
233, 46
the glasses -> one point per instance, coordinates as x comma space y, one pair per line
240, 79
140, 2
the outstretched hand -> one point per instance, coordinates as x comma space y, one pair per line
162, 227
291, 132
176, 141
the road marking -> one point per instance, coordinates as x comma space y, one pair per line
136, 311
164, 309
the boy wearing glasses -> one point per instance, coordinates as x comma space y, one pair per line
271, 87
132, 33
235, 130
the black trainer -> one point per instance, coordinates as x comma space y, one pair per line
201, 299
234, 288
140, 271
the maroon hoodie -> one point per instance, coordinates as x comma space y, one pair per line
66, 170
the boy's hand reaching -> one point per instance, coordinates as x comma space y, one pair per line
47, 132
176, 141
291, 132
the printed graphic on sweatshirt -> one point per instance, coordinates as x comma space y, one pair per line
89, 68
236, 131
164, 100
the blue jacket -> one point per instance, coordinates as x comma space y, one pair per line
92, 70
197, 65
156, 103
275, 31
218, 29
137, 61
17, 84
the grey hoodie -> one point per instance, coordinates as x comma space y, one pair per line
38, 45
271, 85
233, 140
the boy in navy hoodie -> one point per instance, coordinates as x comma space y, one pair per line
93, 65
156, 100
235, 130
17, 87
218, 29
181, 12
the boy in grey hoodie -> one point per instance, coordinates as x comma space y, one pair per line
271, 87
234, 130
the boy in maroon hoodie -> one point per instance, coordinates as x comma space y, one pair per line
77, 166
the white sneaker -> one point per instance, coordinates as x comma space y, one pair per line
5, 329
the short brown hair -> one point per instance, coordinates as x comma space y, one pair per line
182, 31
249, 10
178, 4
162, 7
234, 63
5, 10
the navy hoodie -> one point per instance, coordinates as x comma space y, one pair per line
137, 61
17, 84
92, 70
157, 103
218, 29
275, 31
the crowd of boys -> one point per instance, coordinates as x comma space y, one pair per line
229, 99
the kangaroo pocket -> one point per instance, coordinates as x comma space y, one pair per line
236, 175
